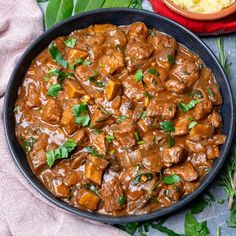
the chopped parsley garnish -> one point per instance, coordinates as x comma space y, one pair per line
143, 115
210, 92
81, 114
186, 107
171, 179
56, 56
167, 126
79, 61
92, 151
93, 188
171, 140
27, 144
192, 124
171, 59
153, 71
60, 74
138, 76
16, 108
153, 32
70, 42
54, 89
120, 119
110, 138
122, 200
138, 178
61, 152
137, 137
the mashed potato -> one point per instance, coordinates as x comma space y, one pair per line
204, 6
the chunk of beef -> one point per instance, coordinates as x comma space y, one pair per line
160, 41
201, 131
138, 204
33, 97
51, 112
80, 136
202, 109
214, 119
170, 193
111, 192
73, 54
72, 178
111, 62
176, 86
219, 139
152, 160
163, 111
99, 142
60, 189
165, 57
104, 28
173, 155
117, 39
73, 88
186, 72
124, 133
185, 170
138, 30
196, 147
38, 159
84, 72
189, 187
87, 199
138, 50
113, 88
181, 125
68, 121
99, 117
78, 160
212, 151
94, 168
133, 90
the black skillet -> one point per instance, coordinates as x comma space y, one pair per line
117, 16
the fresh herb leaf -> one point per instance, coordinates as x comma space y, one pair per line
80, 61
71, 42
60, 74
116, 3
141, 142
56, 55
171, 179
136, 4
228, 179
137, 137
165, 230
61, 152
138, 178
54, 89
171, 140
86, 5
210, 92
186, 107
82, 120
218, 231
120, 119
192, 227
153, 71
231, 222
39, 1
110, 138
196, 94
221, 201
122, 200
199, 206
143, 115
223, 56
93, 188
167, 126
148, 95
16, 108
130, 228
138, 76
58, 10
171, 59
92, 151
81, 114
192, 124
27, 144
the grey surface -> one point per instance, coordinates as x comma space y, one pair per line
217, 214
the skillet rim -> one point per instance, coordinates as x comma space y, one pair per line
106, 218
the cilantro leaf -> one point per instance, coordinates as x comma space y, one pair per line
110, 138
192, 124
143, 115
60, 74
171, 59
81, 114
171, 140
165, 230
70, 42
54, 89
138, 178
120, 119
82, 120
171, 179
138, 76
56, 55
61, 152
167, 126
153, 71
186, 107
122, 200
92, 151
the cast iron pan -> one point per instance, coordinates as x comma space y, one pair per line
117, 16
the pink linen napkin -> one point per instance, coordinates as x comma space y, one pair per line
23, 211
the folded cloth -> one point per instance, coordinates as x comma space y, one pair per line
220, 26
23, 211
